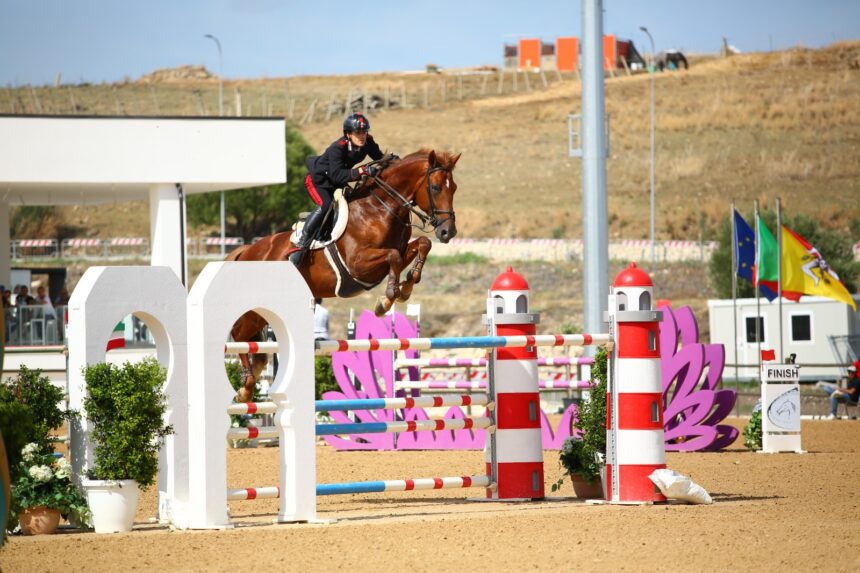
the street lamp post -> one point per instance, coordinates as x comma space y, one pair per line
651, 70
221, 114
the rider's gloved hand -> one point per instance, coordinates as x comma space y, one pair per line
393, 156
368, 170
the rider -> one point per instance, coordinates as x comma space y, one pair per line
333, 170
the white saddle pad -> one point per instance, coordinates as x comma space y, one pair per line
342, 208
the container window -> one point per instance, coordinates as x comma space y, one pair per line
621, 301
801, 328
645, 301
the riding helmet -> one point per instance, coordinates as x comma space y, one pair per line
356, 122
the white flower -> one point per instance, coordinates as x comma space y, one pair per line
64, 468
41, 473
29, 451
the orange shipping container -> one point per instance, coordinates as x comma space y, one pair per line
566, 53
610, 53
529, 53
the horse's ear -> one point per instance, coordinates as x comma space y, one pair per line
455, 160
431, 159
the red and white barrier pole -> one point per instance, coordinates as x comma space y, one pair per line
634, 400
514, 454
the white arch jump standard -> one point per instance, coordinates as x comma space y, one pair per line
277, 292
102, 298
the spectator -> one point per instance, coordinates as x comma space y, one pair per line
850, 392
320, 320
62, 298
43, 299
23, 296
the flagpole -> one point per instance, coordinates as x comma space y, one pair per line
779, 270
735, 300
757, 297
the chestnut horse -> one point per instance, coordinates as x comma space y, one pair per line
375, 244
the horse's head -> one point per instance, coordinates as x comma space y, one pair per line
437, 196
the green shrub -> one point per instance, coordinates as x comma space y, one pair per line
324, 376
752, 432
41, 399
579, 455
126, 407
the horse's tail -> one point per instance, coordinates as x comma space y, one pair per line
236, 253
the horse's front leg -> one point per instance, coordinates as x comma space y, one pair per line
392, 289
420, 248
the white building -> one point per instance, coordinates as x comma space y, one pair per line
820, 331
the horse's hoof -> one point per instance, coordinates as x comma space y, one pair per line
381, 308
243, 395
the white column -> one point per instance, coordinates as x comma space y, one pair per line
5, 244
167, 227
277, 292
103, 297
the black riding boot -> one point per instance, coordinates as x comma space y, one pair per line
309, 231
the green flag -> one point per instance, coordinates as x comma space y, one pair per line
768, 264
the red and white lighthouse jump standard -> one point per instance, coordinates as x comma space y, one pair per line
634, 400
514, 451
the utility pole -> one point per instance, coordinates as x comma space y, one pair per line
651, 70
220, 114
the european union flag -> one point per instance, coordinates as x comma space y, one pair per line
744, 242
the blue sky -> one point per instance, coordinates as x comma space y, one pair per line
108, 40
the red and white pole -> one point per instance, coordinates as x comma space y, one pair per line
634, 400
514, 451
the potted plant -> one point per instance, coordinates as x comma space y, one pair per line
582, 455
29, 413
125, 406
44, 492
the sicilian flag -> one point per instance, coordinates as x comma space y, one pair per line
117, 337
804, 270
744, 245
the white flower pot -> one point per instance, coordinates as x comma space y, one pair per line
112, 503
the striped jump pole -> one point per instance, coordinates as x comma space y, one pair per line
479, 362
404, 485
402, 403
325, 347
251, 408
482, 385
404, 426
251, 493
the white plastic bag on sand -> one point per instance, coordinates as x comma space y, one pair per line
675, 486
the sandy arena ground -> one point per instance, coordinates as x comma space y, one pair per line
782, 512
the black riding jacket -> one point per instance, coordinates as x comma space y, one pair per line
335, 167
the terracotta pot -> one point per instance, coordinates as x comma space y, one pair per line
39, 520
585, 490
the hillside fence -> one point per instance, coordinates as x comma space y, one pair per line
299, 100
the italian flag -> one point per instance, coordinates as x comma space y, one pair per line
117, 337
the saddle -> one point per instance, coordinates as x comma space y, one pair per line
331, 229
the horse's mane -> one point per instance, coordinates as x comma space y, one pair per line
387, 165
444, 158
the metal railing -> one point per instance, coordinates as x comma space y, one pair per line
43, 325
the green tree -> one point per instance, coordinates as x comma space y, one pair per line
263, 210
834, 246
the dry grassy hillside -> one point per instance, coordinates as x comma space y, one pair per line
754, 126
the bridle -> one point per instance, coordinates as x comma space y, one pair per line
432, 189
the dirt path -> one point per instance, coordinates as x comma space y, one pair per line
771, 512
